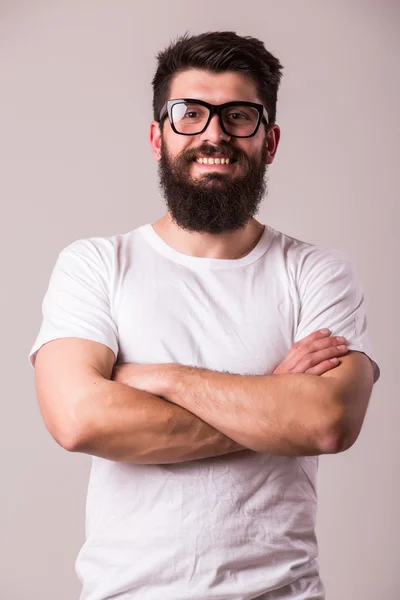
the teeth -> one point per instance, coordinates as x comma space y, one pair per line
213, 161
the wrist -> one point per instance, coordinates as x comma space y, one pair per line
179, 380
170, 381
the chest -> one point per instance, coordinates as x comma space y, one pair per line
238, 322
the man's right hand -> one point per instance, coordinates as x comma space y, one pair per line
313, 355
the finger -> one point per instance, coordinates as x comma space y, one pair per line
316, 335
326, 343
326, 365
313, 347
306, 347
317, 340
312, 360
294, 356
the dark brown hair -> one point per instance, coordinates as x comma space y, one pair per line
218, 51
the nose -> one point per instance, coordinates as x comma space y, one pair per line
214, 132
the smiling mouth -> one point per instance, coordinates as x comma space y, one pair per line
218, 161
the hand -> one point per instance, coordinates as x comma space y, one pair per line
312, 355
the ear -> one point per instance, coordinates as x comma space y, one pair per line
155, 139
272, 142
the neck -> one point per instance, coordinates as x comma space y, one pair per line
229, 245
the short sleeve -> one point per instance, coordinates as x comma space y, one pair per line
331, 296
77, 300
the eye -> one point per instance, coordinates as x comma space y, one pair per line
235, 116
191, 114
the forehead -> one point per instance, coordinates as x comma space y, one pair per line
215, 88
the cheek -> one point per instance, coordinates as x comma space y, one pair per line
252, 150
176, 150
171, 143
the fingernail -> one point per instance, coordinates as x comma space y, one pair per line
325, 331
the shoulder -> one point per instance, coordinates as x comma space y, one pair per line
100, 252
305, 259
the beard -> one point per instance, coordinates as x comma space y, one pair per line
215, 202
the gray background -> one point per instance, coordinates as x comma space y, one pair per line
75, 110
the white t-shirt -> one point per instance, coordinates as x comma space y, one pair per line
234, 527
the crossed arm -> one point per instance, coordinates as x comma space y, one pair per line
290, 414
174, 413
168, 413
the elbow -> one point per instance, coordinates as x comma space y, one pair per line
71, 437
338, 436
66, 437
69, 440
79, 438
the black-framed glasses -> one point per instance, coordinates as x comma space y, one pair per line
188, 116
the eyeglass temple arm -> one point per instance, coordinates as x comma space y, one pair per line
163, 112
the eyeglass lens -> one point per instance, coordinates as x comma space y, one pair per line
190, 118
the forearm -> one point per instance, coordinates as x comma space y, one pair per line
289, 415
130, 425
